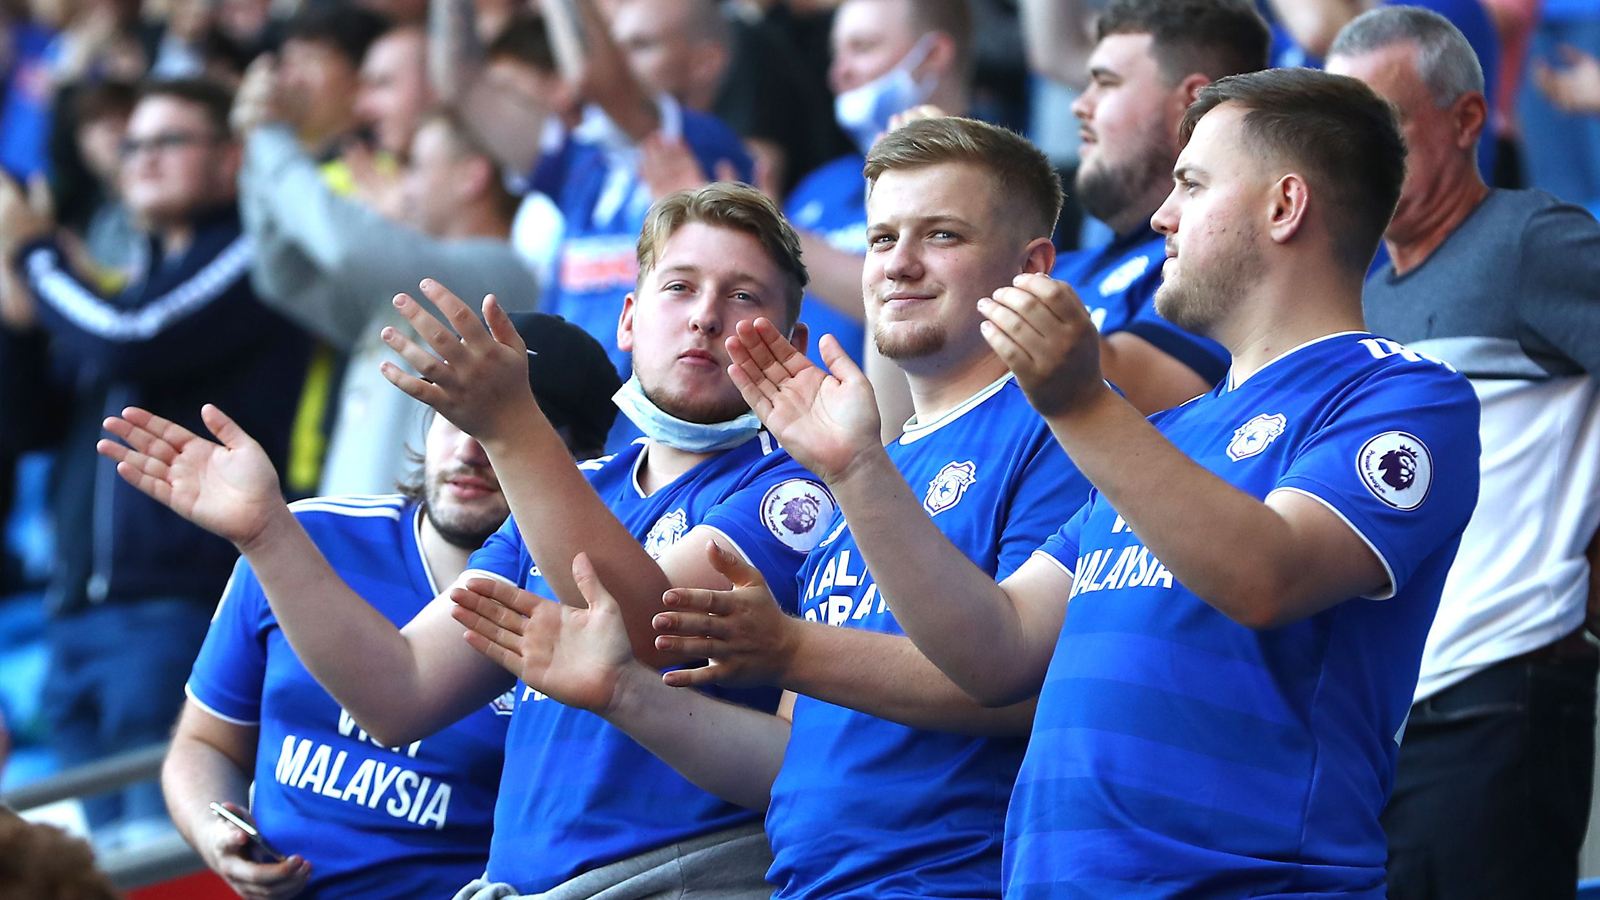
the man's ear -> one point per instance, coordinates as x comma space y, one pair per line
1189, 88
1288, 201
800, 336
1471, 115
1039, 257
941, 58
625, 324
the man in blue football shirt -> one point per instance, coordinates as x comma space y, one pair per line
708, 261
1254, 575
894, 785
1150, 58
358, 819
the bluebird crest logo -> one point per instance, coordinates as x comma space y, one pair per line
946, 488
505, 703
1253, 436
796, 512
1397, 468
665, 532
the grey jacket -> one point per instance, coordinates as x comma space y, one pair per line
333, 265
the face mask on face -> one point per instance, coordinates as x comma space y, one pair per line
864, 112
693, 437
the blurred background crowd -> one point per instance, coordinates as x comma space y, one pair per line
214, 201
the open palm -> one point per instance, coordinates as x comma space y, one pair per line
227, 488
573, 655
825, 420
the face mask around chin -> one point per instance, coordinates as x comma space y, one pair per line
864, 112
693, 437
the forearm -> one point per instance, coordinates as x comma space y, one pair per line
353, 651
886, 676
194, 775
455, 56
559, 515
835, 276
590, 61
953, 611
731, 751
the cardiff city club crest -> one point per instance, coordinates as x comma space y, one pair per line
504, 704
1253, 436
946, 488
665, 532
796, 512
1397, 468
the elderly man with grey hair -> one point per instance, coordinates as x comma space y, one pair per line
1492, 793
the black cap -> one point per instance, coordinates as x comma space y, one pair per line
571, 376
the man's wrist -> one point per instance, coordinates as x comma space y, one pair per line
636, 685
273, 533
869, 466
518, 422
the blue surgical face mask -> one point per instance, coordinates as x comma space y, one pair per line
864, 112
693, 437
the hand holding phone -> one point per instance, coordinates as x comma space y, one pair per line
260, 849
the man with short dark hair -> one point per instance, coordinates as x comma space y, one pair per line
1253, 576
1493, 790
133, 584
1149, 60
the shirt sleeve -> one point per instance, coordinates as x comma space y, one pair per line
1560, 282
1049, 489
1398, 462
503, 556
229, 672
775, 520
1061, 548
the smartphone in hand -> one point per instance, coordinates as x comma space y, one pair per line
261, 850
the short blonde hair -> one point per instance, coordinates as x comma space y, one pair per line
1027, 182
734, 206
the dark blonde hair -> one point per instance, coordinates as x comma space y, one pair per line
738, 207
1020, 170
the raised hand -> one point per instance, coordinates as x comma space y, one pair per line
226, 851
227, 488
577, 657
827, 420
478, 381
742, 633
1043, 333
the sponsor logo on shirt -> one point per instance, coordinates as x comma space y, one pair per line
795, 511
1253, 436
592, 264
1397, 468
946, 488
403, 793
1114, 568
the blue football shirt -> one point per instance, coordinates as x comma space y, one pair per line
1117, 283
603, 201
831, 203
864, 807
1176, 753
577, 792
375, 822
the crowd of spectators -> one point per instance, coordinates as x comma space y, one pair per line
217, 202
